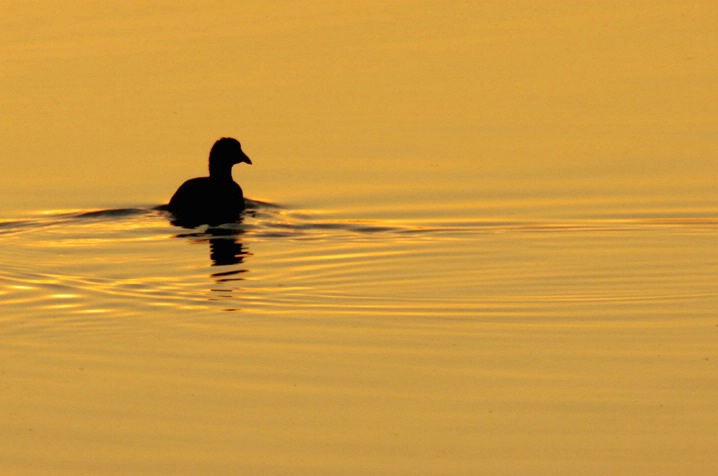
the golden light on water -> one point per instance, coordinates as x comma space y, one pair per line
351, 101
485, 242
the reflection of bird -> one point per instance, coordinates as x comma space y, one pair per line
226, 251
215, 199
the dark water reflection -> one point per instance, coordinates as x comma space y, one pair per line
225, 245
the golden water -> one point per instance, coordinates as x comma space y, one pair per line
482, 239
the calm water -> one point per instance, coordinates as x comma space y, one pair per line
482, 240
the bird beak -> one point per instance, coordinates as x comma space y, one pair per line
245, 159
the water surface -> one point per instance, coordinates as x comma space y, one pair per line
482, 239
294, 343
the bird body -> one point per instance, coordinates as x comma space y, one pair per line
215, 199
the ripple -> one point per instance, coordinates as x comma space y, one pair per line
79, 265
270, 220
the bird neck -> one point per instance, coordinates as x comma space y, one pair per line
221, 172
